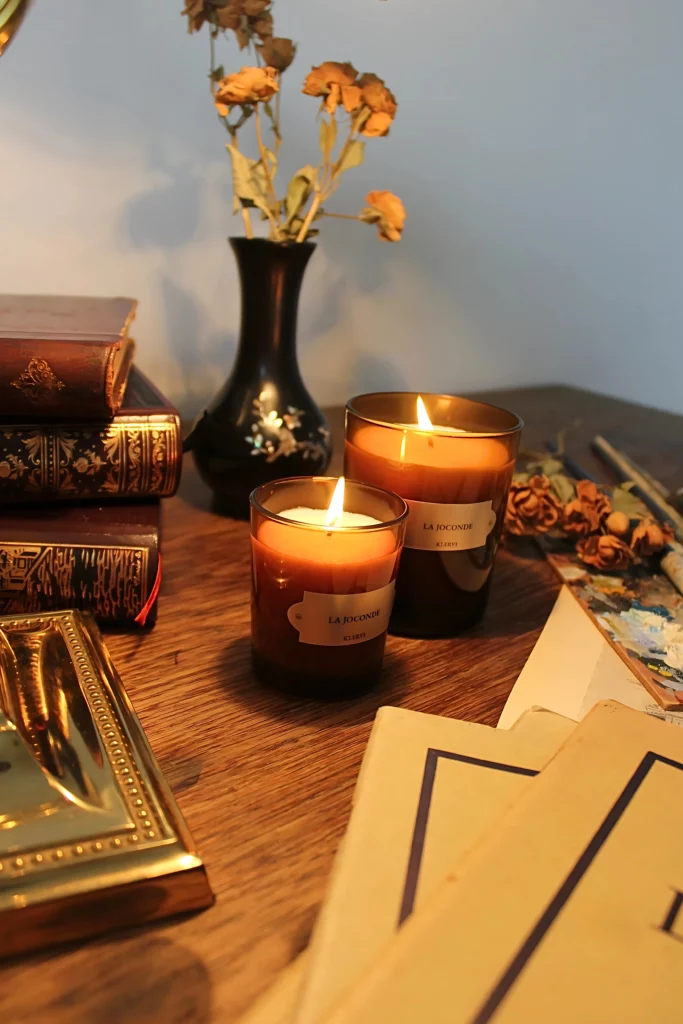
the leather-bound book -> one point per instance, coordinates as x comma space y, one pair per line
135, 455
64, 356
100, 558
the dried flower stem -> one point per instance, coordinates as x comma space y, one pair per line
357, 120
212, 60
248, 230
247, 222
274, 218
330, 181
317, 199
343, 216
343, 152
276, 126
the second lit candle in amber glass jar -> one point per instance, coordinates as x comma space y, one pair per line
452, 460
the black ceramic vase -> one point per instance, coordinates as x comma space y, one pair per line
262, 424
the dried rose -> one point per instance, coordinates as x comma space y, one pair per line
252, 8
605, 552
250, 85
381, 102
649, 537
596, 504
376, 125
263, 26
376, 95
352, 98
243, 37
386, 211
618, 523
532, 507
196, 14
278, 53
330, 80
229, 17
575, 522
584, 514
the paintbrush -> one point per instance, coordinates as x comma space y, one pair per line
644, 488
651, 493
570, 464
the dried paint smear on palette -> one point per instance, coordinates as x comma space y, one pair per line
641, 614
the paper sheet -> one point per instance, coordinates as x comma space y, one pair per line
572, 667
569, 911
428, 788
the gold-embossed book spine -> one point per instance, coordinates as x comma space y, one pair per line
137, 454
131, 457
103, 560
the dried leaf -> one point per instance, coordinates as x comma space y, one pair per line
352, 157
623, 500
562, 487
248, 179
328, 137
361, 118
300, 188
546, 465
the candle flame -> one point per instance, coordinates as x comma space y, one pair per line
336, 507
423, 420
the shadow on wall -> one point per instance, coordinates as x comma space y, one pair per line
371, 373
204, 359
166, 217
167, 221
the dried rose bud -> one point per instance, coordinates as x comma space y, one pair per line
386, 211
618, 524
278, 53
649, 537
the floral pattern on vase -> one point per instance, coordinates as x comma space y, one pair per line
273, 435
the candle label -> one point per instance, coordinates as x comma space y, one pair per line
435, 527
339, 620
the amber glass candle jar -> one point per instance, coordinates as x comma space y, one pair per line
323, 582
452, 460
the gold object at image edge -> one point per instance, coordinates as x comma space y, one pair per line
11, 16
90, 835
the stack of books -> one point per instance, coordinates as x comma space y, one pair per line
523, 875
88, 447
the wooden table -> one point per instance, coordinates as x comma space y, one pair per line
265, 782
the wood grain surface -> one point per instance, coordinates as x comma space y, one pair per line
265, 782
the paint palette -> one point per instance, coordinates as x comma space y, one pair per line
639, 611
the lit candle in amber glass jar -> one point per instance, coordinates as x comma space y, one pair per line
452, 460
324, 563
